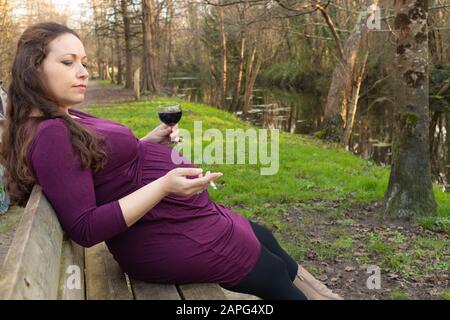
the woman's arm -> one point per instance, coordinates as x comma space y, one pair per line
135, 205
138, 203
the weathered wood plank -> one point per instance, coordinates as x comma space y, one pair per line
32, 265
72, 268
154, 291
104, 277
202, 291
231, 295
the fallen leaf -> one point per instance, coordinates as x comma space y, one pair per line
349, 268
323, 278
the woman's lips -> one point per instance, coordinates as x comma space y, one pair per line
80, 88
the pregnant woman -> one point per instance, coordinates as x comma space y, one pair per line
107, 185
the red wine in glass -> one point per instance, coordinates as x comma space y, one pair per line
170, 114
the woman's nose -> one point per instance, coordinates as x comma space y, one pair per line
82, 72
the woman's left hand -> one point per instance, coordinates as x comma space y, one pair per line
163, 134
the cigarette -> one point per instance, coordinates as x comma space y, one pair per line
211, 183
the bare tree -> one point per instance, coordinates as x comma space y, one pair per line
149, 74
127, 38
242, 44
118, 47
338, 119
224, 60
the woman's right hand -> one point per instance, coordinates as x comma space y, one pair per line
175, 181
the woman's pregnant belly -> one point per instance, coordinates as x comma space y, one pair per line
156, 161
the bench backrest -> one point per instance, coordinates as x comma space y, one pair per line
39, 255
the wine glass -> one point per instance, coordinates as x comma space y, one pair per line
170, 114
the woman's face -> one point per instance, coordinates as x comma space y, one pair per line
64, 70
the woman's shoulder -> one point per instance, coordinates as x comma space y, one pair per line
51, 134
50, 131
55, 124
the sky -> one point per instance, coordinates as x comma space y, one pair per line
77, 8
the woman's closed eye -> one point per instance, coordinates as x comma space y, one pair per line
68, 63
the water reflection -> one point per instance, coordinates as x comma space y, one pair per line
287, 110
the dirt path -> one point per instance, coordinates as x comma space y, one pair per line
98, 94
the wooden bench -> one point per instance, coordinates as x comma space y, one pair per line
42, 263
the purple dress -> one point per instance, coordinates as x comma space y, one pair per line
180, 240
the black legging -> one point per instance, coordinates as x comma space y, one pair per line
274, 272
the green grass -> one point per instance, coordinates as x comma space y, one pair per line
309, 169
398, 294
446, 294
396, 253
11, 218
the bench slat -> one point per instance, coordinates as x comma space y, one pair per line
72, 255
202, 291
104, 277
231, 295
32, 265
153, 291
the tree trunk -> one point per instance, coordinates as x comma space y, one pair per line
129, 57
149, 67
194, 19
447, 151
115, 49
352, 108
224, 67
253, 66
112, 62
239, 74
106, 68
119, 61
99, 66
213, 97
436, 115
363, 138
410, 189
341, 87
169, 50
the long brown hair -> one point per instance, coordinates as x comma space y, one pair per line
27, 91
